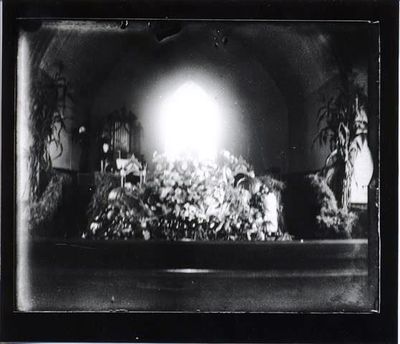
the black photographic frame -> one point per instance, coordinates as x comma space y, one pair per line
173, 327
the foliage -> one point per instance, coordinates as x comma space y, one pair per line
187, 199
46, 124
104, 183
332, 222
343, 125
46, 207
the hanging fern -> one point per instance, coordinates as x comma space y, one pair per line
47, 122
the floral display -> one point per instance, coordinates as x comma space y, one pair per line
189, 199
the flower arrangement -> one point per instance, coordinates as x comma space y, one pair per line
189, 199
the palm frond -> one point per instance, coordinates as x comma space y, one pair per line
345, 130
332, 157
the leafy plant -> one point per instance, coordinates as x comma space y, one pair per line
49, 93
44, 210
343, 125
332, 222
311, 209
104, 183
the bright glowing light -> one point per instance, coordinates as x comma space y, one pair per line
190, 123
106, 147
363, 171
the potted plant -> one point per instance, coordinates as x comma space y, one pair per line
343, 125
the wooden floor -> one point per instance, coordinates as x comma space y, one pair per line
269, 277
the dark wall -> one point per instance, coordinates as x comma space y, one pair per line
266, 76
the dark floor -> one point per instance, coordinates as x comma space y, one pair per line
103, 290
78, 283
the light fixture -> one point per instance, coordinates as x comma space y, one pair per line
106, 147
190, 123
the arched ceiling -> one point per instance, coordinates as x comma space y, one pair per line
274, 66
300, 57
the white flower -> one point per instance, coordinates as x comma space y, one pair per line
164, 192
270, 205
219, 195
